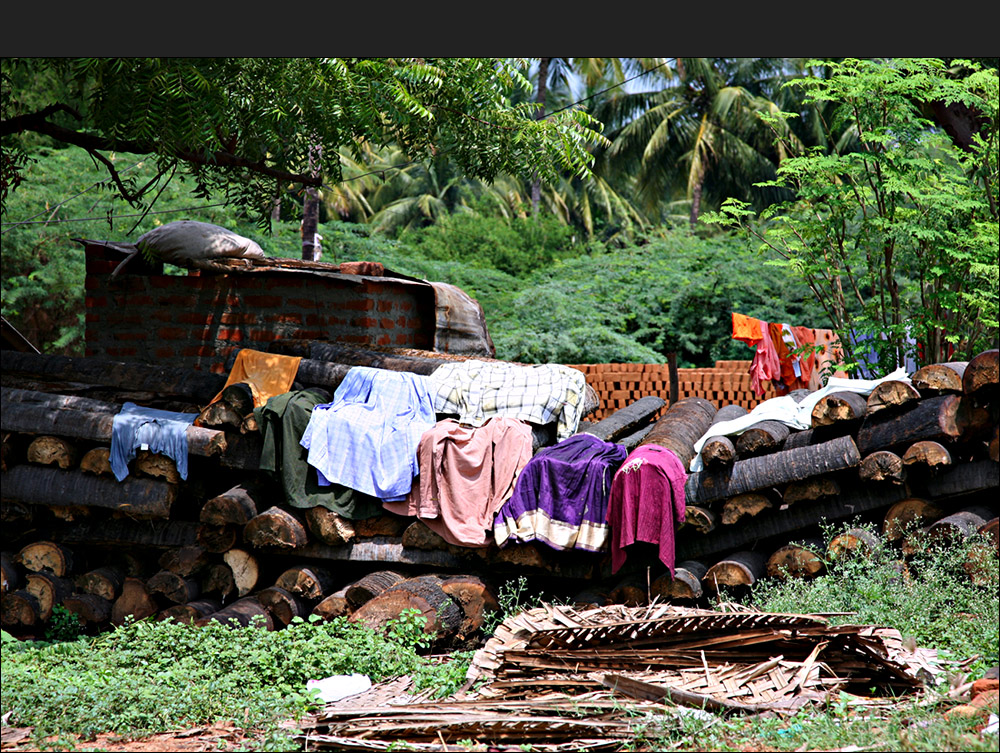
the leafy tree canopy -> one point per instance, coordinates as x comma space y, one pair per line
242, 126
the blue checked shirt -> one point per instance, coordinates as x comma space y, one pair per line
366, 439
479, 390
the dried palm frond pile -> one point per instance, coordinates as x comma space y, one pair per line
557, 676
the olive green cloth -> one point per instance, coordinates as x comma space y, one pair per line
282, 421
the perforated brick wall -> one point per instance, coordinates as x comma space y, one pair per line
197, 320
619, 384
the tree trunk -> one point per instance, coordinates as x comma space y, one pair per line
311, 250
217, 539
926, 455
329, 527
959, 525
736, 570
90, 609
19, 609
633, 590
55, 451
761, 438
173, 587
141, 498
681, 426
423, 593
155, 465
907, 515
801, 561
309, 583
744, 505
718, 452
186, 561
362, 591
938, 378
105, 582
282, 605
334, 605
881, 466
543, 82
892, 395
475, 598
275, 529
701, 519
218, 579
981, 373
774, 470
49, 589
981, 558
135, 600
244, 568
839, 407
386, 524
97, 461
46, 555
934, 418
191, 612
246, 612
684, 586
237, 506
219, 415
810, 489
627, 419
852, 542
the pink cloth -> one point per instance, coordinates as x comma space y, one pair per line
466, 474
765, 367
647, 503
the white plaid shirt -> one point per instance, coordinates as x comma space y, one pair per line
478, 390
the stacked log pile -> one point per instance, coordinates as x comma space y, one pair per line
221, 545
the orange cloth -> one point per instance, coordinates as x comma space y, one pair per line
746, 329
266, 373
827, 359
805, 336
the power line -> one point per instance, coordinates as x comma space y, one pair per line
116, 216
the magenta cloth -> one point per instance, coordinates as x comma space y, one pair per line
647, 503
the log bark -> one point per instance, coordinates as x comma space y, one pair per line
89, 608
744, 505
198, 386
418, 536
761, 438
982, 373
908, 515
217, 539
881, 466
306, 582
938, 378
701, 519
386, 524
333, 606
329, 527
245, 570
810, 489
633, 590
892, 395
684, 423
245, 612
173, 587
186, 561
443, 615
718, 452
933, 418
219, 415
46, 555
97, 461
628, 419
275, 529
959, 525
19, 609
218, 579
798, 560
367, 588
140, 498
839, 407
249, 424
155, 465
282, 605
188, 614
47, 450
49, 589
239, 397
737, 570
774, 470
80, 418
105, 582
926, 455
237, 506
852, 542
476, 599
135, 600
684, 586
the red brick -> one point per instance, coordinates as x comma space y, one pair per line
198, 350
162, 352
315, 320
258, 300
96, 301
229, 334
92, 317
172, 333
232, 317
387, 323
284, 318
384, 306
303, 303
217, 368
134, 336
384, 340
402, 339
119, 351
405, 305
359, 304
309, 334
193, 317
401, 321
96, 266
413, 323
178, 301
261, 335
92, 283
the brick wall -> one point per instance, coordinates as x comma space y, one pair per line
618, 384
197, 320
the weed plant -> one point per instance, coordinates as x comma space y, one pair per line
147, 677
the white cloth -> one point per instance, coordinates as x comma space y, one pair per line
787, 411
339, 686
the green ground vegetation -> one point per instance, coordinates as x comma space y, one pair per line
155, 676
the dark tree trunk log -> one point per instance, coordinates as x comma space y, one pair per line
386, 524
309, 583
718, 452
475, 598
982, 372
334, 605
237, 506
737, 570
275, 529
329, 527
684, 586
960, 525
744, 505
928, 455
362, 591
982, 556
46, 450
423, 593
892, 396
246, 612
141, 498
774, 470
19, 609
135, 600
198, 386
810, 489
49, 589
627, 420
681, 426
907, 515
105, 582
933, 418
186, 561
10, 576
853, 541
282, 605
938, 378
156, 466
219, 415
633, 590
90, 609
173, 587
881, 466
217, 539
701, 519
239, 397
188, 614
418, 536
97, 461
218, 579
761, 438
46, 555
802, 561
839, 407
